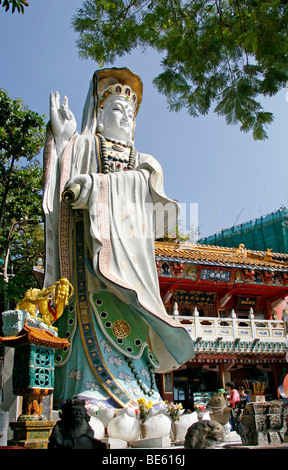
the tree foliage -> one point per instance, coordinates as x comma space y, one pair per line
21, 228
21, 234
21, 137
226, 53
15, 4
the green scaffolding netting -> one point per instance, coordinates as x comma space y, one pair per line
269, 231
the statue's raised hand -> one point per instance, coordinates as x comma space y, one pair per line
62, 120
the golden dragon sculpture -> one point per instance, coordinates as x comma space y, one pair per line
48, 303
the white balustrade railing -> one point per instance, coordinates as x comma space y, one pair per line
233, 328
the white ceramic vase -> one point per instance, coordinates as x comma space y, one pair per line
105, 415
156, 426
124, 427
180, 427
98, 427
127, 411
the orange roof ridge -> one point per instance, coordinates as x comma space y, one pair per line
37, 336
230, 255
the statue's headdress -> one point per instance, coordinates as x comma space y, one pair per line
119, 90
106, 83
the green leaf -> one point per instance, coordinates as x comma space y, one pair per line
226, 53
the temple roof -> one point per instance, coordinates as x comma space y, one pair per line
37, 336
221, 256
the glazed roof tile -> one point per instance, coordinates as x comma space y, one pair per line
221, 256
36, 336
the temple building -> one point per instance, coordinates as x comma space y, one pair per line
232, 302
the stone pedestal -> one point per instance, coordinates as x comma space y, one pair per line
112, 443
31, 434
263, 423
152, 442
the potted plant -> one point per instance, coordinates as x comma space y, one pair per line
144, 408
200, 409
174, 411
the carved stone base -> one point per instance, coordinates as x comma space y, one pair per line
31, 434
152, 442
263, 423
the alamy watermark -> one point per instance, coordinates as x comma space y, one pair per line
127, 220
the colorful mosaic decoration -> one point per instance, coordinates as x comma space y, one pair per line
31, 434
129, 335
33, 367
121, 360
86, 324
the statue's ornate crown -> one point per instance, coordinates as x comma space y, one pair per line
125, 91
118, 81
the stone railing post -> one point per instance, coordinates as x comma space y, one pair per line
234, 323
251, 317
197, 323
175, 312
285, 321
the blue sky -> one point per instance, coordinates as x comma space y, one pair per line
229, 175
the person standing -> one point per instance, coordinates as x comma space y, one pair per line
244, 398
233, 398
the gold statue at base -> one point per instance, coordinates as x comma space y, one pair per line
48, 303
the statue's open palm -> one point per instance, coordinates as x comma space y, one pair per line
62, 120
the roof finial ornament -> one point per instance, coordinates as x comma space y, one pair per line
268, 255
241, 251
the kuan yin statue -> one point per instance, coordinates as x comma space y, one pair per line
102, 241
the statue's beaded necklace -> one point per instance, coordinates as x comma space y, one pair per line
107, 165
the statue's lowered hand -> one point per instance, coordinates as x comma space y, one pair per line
77, 191
71, 193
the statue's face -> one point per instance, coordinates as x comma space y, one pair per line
77, 413
117, 118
